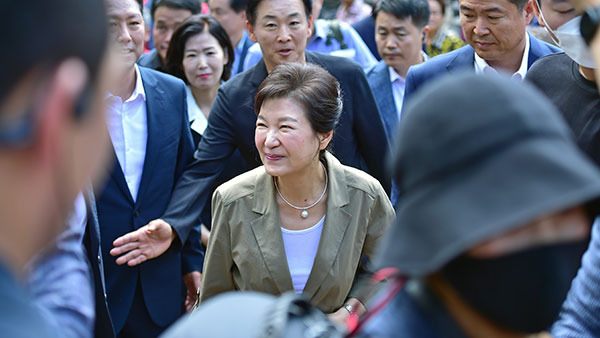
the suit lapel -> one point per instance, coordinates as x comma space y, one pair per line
267, 231
465, 58
385, 98
536, 50
155, 120
334, 229
118, 176
245, 46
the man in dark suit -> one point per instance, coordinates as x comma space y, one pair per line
166, 15
148, 126
495, 31
231, 14
401, 27
281, 27
52, 143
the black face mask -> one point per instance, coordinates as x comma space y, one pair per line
521, 292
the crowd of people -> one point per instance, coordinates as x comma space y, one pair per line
379, 174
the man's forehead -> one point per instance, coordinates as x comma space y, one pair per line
487, 5
223, 4
122, 8
389, 20
280, 9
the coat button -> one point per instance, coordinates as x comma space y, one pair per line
137, 213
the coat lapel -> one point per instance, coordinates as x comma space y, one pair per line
157, 126
385, 98
465, 58
334, 229
118, 176
267, 231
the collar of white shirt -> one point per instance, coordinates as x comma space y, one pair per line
137, 91
481, 66
395, 76
195, 114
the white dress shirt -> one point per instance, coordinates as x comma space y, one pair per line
398, 85
196, 116
481, 66
128, 129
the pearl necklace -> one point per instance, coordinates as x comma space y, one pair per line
304, 213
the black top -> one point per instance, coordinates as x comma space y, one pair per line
576, 98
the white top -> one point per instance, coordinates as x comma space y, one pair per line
128, 129
481, 66
300, 249
197, 119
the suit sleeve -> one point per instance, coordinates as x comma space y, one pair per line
217, 276
371, 136
193, 187
381, 216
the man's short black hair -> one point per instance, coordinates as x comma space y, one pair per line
417, 10
253, 5
44, 33
238, 5
193, 6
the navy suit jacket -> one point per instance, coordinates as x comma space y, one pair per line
358, 141
461, 59
379, 80
169, 150
103, 324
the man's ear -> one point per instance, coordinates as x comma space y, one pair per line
57, 108
250, 30
528, 11
537, 11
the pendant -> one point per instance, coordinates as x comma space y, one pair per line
304, 213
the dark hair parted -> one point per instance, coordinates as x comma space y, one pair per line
417, 10
191, 27
194, 6
42, 34
253, 5
309, 85
238, 5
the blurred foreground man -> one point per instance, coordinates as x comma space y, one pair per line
495, 216
52, 136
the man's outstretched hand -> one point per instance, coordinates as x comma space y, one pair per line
145, 243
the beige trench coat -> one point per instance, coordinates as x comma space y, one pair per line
246, 252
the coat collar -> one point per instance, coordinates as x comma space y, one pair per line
267, 228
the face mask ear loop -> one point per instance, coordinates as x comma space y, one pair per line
548, 29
